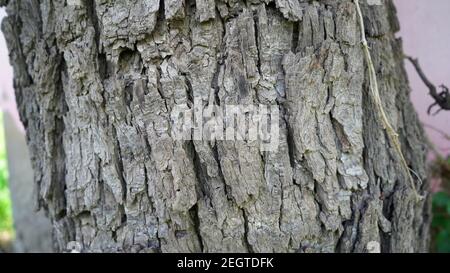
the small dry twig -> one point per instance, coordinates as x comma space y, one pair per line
441, 99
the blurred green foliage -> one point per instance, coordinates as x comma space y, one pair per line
440, 226
441, 222
6, 223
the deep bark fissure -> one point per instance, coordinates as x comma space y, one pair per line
248, 244
194, 214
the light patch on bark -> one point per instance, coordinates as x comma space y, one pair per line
373, 247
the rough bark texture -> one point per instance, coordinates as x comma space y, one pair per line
96, 81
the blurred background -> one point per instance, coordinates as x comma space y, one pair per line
425, 33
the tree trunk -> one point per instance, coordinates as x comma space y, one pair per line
96, 82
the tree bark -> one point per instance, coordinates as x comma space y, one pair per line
96, 82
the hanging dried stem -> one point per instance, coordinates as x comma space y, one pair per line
393, 136
441, 99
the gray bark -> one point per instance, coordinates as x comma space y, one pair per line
96, 81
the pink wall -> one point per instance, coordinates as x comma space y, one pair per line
425, 29
7, 102
5, 69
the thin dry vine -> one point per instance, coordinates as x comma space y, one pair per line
392, 134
